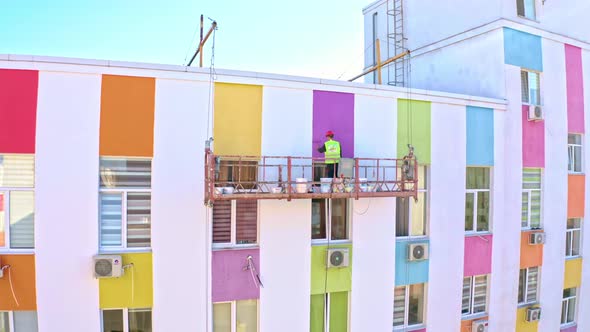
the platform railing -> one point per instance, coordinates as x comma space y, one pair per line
287, 177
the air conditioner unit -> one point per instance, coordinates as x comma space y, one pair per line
479, 326
108, 266
337, 257
533, 314
537, 238
417, 251
535, 113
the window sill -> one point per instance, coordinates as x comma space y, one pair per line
575, 173
7, 251
409, 328
124, 250
234, 247
331, 242
567, 326
474, 316
527, 304
571, 258
480, 234
411, 238
531, 229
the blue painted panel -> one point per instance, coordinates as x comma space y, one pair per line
523, 49
480, 136
406, 272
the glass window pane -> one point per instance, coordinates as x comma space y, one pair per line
4, 323
574, 139
577, 158
125, 173
480, 294
563, 312
25, 321
222, 317
318, 218
529, 9
521, 285
466, 297
576, 243
418, 224
422, 177
469, 209
17, 170
222, 222
568, 292
570, 158
416, 305
525, 209
573, 223
139, 219
533, 275
3, 201
246, 221
524, 77
534, 81
568, 243
22, 219
535, 209
483, 211
571, 310
402, 212
246, 316
112, 320
478, 178
111, 207
316, 323
339, 219
140, 320
399, 305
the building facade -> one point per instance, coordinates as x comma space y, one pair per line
536, 56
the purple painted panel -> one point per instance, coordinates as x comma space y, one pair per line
533, 141
575, 89
230, 281
570, 329
333, 111
478, 255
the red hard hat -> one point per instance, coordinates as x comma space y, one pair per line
329, 133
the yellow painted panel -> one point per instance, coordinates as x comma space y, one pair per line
237, 120
116, 292
522, 325
573, 273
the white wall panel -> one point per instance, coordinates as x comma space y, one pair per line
375, 127
446, 219
66, 201
180, 241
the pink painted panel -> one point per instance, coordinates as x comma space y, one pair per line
570, 329
533, 141
478, 255
333, 111
575, 89
18, 110
229, 280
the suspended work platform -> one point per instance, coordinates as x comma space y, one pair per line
277, 177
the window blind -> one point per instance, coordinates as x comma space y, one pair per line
222, 317
399, 306
466, 297
222, 222
138, 219
17, 171
246, 221
247, 315
22, 219
531, 183
532, 283
111, 207
480, 294
125, 173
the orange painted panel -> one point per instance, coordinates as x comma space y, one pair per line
127, 116
530, 255
22, 268
2, 239
466, 324
575, 195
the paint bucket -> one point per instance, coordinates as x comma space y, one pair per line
301, 186
326, 183
363, 184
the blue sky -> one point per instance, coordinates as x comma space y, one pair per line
319, 38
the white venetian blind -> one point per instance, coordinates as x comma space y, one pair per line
480, 292
22, 219
466, 297
111, 206
399, 305
125, 173
138, 219
17, 171
532, 284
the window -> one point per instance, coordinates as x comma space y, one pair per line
408, 306
568, 306
530, 87
236, 316
125, 203
17, 321
526, 8
475, 293
17, 201
127, 320
411, 215
528, 285
573, 237
329, 312
235, 222
477, 200
531, 198
375, 23
574, 152
333, 210
240, 174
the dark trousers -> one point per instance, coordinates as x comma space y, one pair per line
331, 169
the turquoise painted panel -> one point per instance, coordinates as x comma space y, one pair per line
523, 49
406, 272
480, 136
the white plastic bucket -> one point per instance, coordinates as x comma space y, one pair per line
326, 183
301, 186
363, 184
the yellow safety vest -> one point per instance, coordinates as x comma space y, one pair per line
332, 154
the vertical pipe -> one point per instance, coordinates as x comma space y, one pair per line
290, 187
357, 177
201, 44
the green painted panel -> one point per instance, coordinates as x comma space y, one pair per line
339, 312
317, 313
413, 127
336, 279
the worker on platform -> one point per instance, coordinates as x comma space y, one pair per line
332, 154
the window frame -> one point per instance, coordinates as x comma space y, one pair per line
524, 15
526, 286
234, 313
11, 326
470, 314
571, 147
528, 87
125, 316
426, 192
234, 230
6, 192
406, 325
565, 300
529, 203
569, 231
474, 192
123, 191
328, 238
